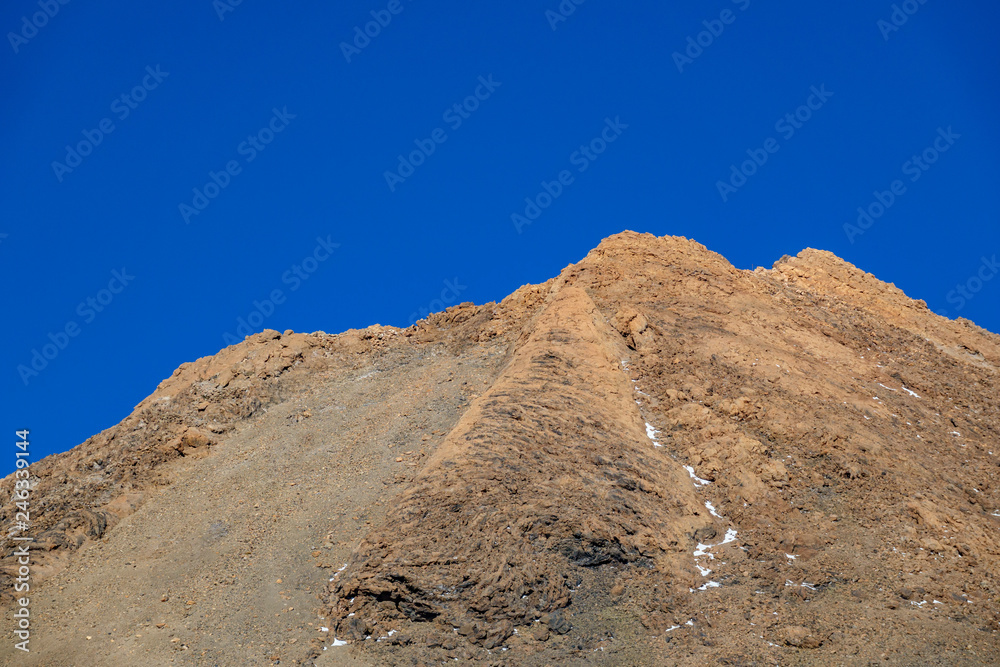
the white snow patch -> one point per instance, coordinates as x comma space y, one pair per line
701, 551
711, 509
885, 387
324, 629
911, 393
711, 584
790, 556
698, 481
337, 642
651, 434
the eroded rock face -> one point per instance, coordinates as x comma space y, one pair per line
807, 430
653, 458
548, 472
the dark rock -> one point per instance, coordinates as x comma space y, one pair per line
705, 534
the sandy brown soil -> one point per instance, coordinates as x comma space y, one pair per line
652, 459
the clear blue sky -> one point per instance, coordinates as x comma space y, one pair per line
641, 125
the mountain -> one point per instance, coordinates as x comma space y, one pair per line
653, 458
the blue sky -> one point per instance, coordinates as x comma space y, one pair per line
167, 166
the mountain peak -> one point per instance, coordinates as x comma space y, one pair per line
653, 457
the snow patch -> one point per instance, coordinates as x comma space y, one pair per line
698, 481
702, 550
651, 434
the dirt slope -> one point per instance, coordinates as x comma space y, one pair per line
652, 459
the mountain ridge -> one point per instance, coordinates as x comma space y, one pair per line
820, 405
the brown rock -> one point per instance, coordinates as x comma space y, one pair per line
540, 632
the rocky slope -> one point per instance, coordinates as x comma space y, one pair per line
652, 459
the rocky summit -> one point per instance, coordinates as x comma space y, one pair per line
654, 458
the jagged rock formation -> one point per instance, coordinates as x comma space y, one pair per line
548, 471
654, 458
